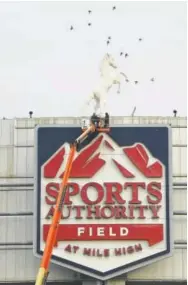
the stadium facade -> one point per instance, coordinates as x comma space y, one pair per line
18, 264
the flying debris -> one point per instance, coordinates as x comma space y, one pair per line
136, 82
109, 38
121, 53
140, 39
114, 8
89, 11
108, 42
126, 55
71, 28
152, 79
89, 24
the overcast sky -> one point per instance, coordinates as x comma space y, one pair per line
46, 68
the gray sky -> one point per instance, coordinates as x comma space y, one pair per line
51, 70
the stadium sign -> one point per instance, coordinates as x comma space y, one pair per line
116, 214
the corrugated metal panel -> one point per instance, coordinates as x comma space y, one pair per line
24, 137
19, 265
6, 161
24, 161
31, 123
173, 121
169, 268
16, 201
19, 229
180, 200
184, 268
6, 132
180, 179
179, 161
16, 230
179, 228
179, 136
16, 180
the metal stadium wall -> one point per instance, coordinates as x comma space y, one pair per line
17, 262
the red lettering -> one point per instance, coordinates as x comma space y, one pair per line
130, 249
120, 212
78, 211
131, 211
99, 190
134, 187
68, 248
93, 210
153, 189
117, 251
93, 252
106, 252
155, 210
68, 208
52, 190
75, 248
72, 190
141, 211
99, 254
50, 213
138, 247
93, 193
87, 251
113, 191
109, 209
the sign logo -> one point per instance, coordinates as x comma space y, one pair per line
116, 212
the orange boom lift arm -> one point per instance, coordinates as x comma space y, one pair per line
51, 238
45, 261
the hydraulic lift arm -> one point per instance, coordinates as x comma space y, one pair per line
51, 238
44, 265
